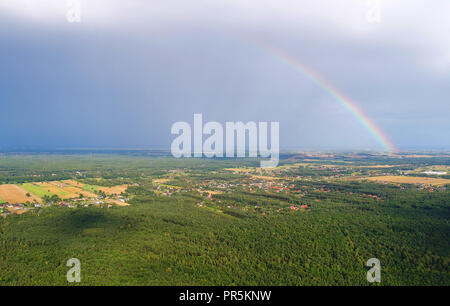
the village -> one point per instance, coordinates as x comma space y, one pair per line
219, 194
288, 188
294, 192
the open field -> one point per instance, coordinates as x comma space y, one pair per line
35, 189
14, 194
268, 178
60, 188
239, 170
116, 202
17, 211
59, 184
73, 188
59, 191
90, 188
73, 183
410, 180
67, 189
115, 190
211, 192
161, 181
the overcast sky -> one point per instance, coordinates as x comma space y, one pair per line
129, 69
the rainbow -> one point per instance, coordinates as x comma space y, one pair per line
348, 104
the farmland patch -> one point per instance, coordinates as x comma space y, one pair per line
410, 180
14, 194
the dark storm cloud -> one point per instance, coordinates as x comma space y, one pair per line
123, 75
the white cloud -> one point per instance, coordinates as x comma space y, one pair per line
48, 12
423, 26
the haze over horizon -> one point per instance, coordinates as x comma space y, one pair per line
124, 74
